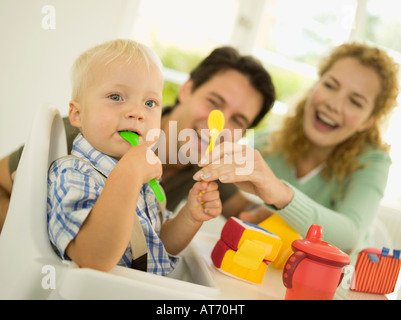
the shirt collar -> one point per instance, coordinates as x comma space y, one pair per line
83, 149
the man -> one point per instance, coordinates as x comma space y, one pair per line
237, 85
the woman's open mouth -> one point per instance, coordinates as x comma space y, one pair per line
324, 123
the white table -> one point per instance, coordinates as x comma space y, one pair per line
272, 287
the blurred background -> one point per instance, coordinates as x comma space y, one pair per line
41, 39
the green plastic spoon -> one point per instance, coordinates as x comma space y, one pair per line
133, 138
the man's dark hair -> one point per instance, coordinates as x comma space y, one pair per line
228, 58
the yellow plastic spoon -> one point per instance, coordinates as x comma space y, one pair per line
215, 123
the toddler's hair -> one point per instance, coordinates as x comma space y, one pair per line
104, 54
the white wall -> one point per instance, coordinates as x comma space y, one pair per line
35, 62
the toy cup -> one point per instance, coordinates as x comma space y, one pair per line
315, 269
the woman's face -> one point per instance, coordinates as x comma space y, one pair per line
341, 103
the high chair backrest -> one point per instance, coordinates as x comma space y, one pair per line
30, 269
25, 250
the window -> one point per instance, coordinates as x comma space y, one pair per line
293, 35
182, 33
288, 36
383, 28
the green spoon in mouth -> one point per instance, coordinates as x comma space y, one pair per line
133, 138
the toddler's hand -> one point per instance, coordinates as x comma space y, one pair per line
207, 205
142, 163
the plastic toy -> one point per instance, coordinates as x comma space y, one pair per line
314, 271
244, 250
287, 235
133, 138
215, 123
375, 271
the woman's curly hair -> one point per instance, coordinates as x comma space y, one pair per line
292, 142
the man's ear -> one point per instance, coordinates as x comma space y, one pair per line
74, 114
185, 90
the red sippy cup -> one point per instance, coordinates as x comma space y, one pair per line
315, 269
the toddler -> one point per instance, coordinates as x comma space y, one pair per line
98, 194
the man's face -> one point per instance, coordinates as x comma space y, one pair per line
230, 92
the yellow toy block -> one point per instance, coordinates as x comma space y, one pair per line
250, 254
270, 240
232, 268
244, 250
287, 235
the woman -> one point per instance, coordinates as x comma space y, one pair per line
328, 164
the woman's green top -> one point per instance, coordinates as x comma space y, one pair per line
347, 220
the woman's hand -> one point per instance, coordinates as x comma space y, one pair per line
244, 166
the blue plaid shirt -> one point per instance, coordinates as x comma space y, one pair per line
73, 188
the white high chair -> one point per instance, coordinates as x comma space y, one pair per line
24, 241
30, 269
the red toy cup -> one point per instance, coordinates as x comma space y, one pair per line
315, 269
